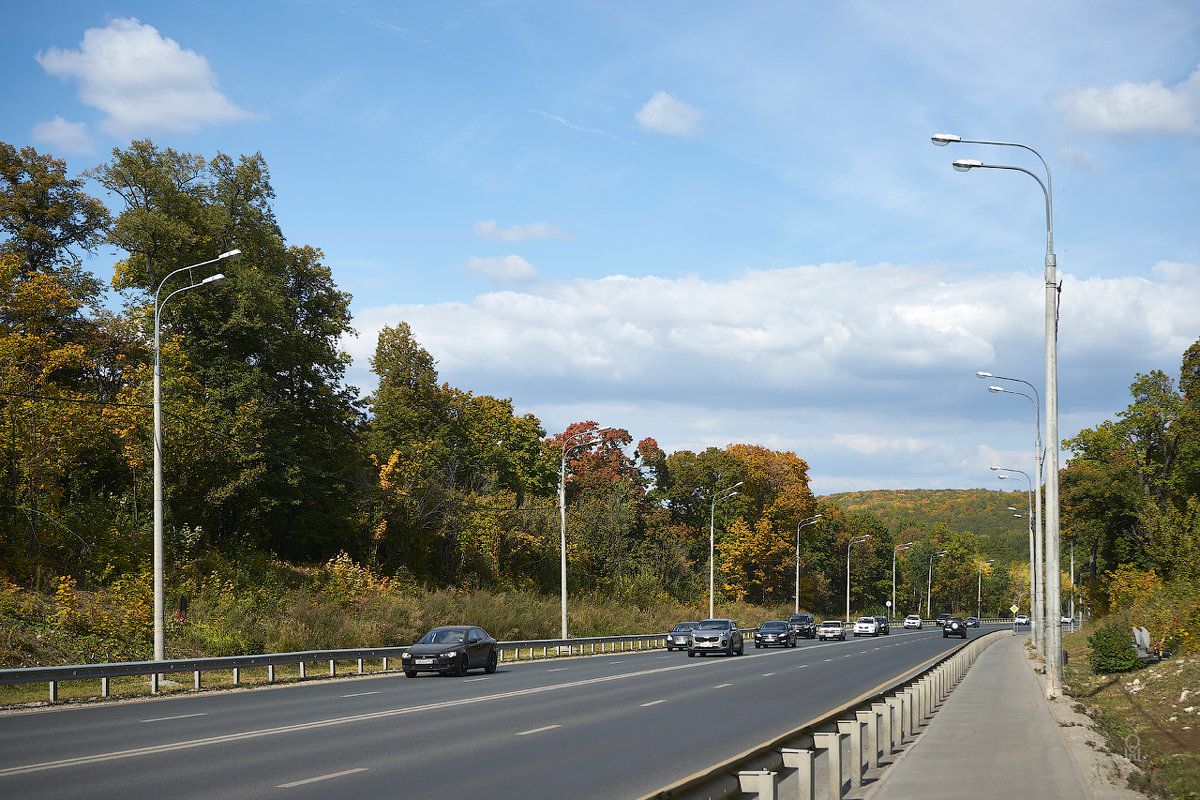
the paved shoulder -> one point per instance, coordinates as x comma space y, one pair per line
994, 737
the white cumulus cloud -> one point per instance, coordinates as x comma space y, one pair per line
665, 114
145, 82
62, 136
1132, 107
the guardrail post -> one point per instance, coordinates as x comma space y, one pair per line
271, 671
831, 743
360, 666
196, 680
104, 687
854, 728
154, 676
884, 712
896, 704
302, 672
332, 670
870, 719
53, 691
802, 762
759, 782
237, 676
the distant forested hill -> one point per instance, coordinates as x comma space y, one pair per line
983, 512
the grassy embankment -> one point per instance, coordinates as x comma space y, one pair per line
271, 608
1157, 708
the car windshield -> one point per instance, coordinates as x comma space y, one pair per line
831, 623
713, 625
773, 626
912, 616
447, 636
866, 619
683, 627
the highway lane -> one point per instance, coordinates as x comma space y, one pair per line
607, 726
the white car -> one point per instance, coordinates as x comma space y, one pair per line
831, 629
866, 626
1021, 619
913, 621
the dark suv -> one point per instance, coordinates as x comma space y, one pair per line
803, 625
954, 627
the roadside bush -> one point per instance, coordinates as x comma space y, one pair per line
1112, 650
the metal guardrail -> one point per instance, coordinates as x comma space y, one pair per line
197, 666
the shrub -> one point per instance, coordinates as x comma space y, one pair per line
1112, 650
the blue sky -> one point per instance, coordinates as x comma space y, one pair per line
705, 222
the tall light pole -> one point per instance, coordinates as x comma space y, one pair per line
803, 524
896, 549
1053, 657
1036, 580
929, 583
1036, 544
724, 494
212, 280
979, 590
855, 540
562, 512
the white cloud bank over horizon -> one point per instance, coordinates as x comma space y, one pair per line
842, 363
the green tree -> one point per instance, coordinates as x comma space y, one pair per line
268, 451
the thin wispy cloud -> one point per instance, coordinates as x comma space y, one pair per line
535, 231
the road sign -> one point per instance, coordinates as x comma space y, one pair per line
1014, 608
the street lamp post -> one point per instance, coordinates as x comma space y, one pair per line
1053, 656
212, 280
896, 549
855, 540
724, 494
1036, 543
979, 590
1036, 579
562, 512
803, 524
929, 583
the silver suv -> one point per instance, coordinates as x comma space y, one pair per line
716, 636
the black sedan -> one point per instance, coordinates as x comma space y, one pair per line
451, 650
774, 632
954, 626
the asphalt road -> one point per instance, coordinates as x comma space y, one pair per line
609, 726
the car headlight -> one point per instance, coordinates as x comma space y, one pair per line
449, 656
406, 655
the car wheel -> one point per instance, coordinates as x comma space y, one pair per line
757, 646
741, 647
691, 653
493, 660
463, 665
410, 673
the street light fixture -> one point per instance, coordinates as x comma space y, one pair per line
1036, 580
212, 280
929, 583
724, 494
897, 548
1053, 655
562, 511
804, 523
851, 543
